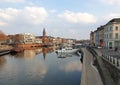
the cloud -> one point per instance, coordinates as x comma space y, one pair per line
2, 23
29, 15
52, 11
111, 2
12, 1
72, 66
73, 31
78, 17
7, 15
35, 15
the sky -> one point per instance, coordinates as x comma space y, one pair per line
61, 18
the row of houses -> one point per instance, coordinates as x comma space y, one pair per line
107, 36
30, 39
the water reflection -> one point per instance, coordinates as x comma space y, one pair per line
31, 53
40, 67
65, 55
72, 66
2, 61
38, 51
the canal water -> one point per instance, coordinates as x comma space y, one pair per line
40, 67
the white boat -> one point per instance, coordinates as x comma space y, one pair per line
66, 50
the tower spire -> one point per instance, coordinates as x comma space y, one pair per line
44, 32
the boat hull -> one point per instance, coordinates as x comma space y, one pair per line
66, 51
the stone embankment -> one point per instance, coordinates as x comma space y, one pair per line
90, 75
111, 61
100, 67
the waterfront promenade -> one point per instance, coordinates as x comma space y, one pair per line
90, 75
107, 63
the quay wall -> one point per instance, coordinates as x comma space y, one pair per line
29, 45
114, 72
105, 74
111, 62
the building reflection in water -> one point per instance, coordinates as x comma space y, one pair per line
31, 53
38, 51
15, 68
44, 53
2, 61
27, 54
47, 50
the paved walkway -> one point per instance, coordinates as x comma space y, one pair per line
90, 75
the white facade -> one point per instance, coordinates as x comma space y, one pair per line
112, 34
38, 40
29, 38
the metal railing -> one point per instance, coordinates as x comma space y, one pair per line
112, 60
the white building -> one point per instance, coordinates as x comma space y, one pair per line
28, 38
38, 40
112, 34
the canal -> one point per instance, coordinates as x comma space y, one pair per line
40, 67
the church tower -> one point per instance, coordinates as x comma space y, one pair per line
44, 37
44, 32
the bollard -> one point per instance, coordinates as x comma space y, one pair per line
107, 57
113, 61
117, 62
104, 56
110, 59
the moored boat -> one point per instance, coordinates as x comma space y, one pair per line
16, 50
66, 50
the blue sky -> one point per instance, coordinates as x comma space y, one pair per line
61, 18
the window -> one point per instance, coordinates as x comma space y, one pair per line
116, 28
110, 28
107, 36
110, 35
116, 35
